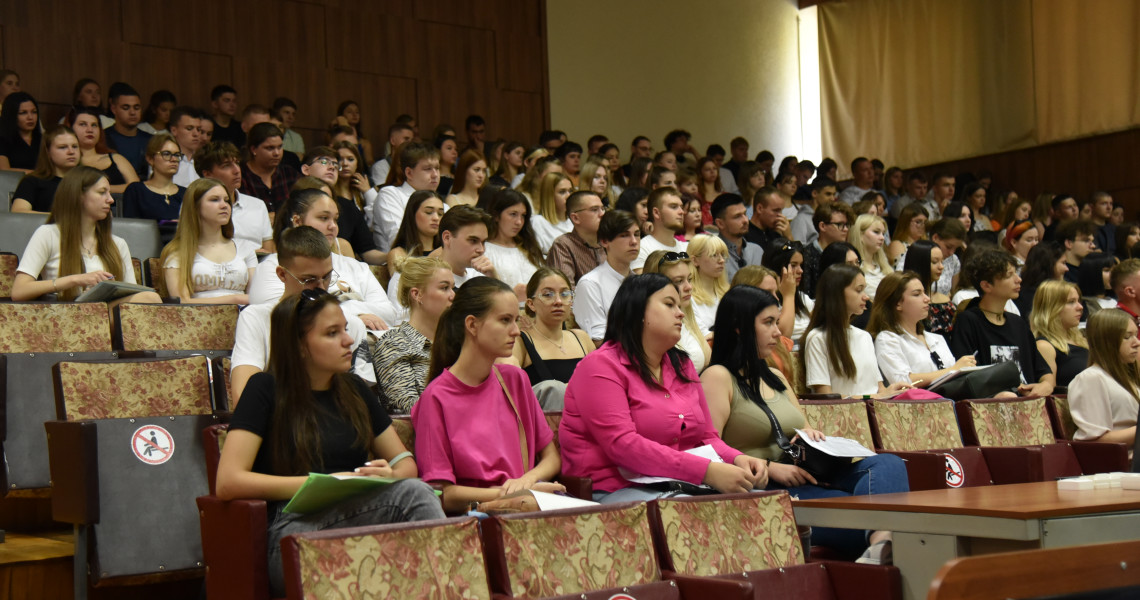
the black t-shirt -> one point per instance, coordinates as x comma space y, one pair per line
232, 134
20, 154
353, 228
1069, 364
998, 343
761, 237
40, 193
255, 414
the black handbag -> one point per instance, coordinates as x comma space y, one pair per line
983, 383
819, 464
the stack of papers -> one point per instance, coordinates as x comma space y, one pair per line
1101, 481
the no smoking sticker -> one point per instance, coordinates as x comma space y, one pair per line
152, 444
955, 475
621, 597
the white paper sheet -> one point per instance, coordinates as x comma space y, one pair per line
837, 446
554, 501
706, 451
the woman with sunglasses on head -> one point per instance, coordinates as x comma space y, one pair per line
747, 399
95, 153
636, 405
466, 387
158, 198
306, 414
220, 266
678, 267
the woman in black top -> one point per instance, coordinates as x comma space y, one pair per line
549, 351
59, 154
19, 132
1055, 322
96, 154
307, 414
158, 198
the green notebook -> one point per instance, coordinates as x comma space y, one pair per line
321, 490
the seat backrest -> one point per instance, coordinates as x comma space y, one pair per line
440, 559
223, 383
16, 230
553, 420
1063, 425
718, 535
905, 425
844, 418
156, 277
570, 551
176, 328
49, 327
9, 180
8, 264
213, 438
380, 272
141, 235
1005, 422
132, 388
407, 433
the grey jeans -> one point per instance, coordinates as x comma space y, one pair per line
407, 500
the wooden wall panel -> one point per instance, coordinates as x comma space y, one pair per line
439, 60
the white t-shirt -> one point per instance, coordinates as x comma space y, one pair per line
692, 346
592, 299
873, 274
705, 315
186, 173
359, 290
546, 232
212, 280
511, 264
800, 325
866, 380
388, 212
251, 220
969, 294
41, 258
901, 355
394, 291
649, 245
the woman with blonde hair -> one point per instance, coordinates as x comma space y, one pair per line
595, 177
1055, 322
550, 219
709, 254
542, 167
867, 236
678, 267
75, 250
220, 267
1103, 398
470, 175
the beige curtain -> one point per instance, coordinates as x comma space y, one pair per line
917, 82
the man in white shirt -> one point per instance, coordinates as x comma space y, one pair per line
398, 135
305, 262
221, 161
184, 126
421, 172
667, 213
463, 232
620, 235
863, 173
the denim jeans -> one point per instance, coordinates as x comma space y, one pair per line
407, 500
879, 474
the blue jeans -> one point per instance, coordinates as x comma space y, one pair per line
407, 500
879, 474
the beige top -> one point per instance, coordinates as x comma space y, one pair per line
749, 430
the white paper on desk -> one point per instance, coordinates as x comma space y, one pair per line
554, 501
837, 446
706, 451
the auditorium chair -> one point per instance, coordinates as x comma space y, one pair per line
126, 460
223, 385
33, 337
1063, 426
136, 266
840, 417
156, 279
8, 263
9, 180
141, 235
176, 329
1016, 437
440, 559
925, 434
16, 230
753, 538
595, 552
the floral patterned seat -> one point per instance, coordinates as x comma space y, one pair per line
135, 388
47, 327
156, 277
440, 559
407, 434
172, 328
8, 264
844, 418
916, 424
1013, 422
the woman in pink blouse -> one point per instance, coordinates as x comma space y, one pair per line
479, 428
635, 406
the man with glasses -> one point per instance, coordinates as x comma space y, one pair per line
832, 222
304, 262
323, 163
221, 161
1078, 237
731, 218
183, 125
578, 252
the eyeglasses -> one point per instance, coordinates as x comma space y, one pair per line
594, 209
325, 161
550, 295
324, 282
168, 155
842, 225
672, 257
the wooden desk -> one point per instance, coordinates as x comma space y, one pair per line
932, 527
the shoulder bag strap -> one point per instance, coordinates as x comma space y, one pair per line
518, 419
781, 439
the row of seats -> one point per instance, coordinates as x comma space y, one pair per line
10, 180
970, 442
